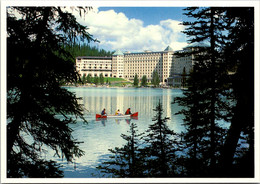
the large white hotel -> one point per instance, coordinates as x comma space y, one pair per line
125, 65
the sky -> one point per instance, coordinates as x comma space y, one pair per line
136, 29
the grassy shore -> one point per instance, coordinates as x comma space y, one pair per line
112, 82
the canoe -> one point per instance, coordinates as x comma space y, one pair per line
117, 116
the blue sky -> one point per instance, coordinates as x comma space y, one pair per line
150, 15
136, 29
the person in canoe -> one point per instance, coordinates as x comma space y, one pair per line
103, 113
128, 111
118, 113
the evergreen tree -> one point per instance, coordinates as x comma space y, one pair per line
196, 136
136, 81
125, 161
184, 77
89, 79
161, 145
84, 79
96, 80
34, 95
206, 97
77, 49
144, 81
155, 79
237, 51
101, 79
239, 56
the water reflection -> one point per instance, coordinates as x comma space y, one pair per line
117, 120
99, 135
139, 100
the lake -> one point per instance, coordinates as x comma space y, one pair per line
99, 136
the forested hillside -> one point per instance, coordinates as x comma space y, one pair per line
86, 50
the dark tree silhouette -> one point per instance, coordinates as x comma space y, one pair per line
220, 87
239, 56
196, 136
161, 145
126, 161
206, 96
184, 78
36, 65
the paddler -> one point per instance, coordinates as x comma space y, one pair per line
128, 111
103, 113
118, 113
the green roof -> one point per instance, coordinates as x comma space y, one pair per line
118, 53
168, 49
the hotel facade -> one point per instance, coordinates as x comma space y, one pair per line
126, 65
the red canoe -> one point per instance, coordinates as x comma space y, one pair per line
117, 116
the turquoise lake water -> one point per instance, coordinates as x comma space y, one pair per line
99, 136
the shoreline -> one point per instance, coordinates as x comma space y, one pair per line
107, 86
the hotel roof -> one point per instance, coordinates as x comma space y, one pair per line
168, 49
150, 52
118, 53
94, 57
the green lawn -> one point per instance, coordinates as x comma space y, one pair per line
114, 82
112, 79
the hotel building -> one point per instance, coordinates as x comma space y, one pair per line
94, 66
145, 63
125, 65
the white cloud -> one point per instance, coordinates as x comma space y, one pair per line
116, 31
